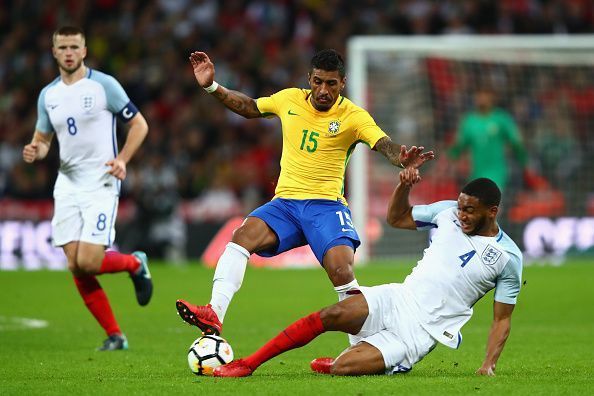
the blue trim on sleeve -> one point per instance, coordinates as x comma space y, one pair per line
421, 224
424, 215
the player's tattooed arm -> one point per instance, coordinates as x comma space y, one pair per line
399, 156
390, 150
237, 102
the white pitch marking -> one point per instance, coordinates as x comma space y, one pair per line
17, 323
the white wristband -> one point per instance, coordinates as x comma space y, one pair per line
212, 87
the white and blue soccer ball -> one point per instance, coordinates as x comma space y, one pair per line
208, 352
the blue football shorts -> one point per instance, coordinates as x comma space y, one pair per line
319, 223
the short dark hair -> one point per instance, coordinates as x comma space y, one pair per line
328, 60
68, 31
485, 190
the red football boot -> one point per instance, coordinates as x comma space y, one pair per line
201, 316
322, 365
237, 368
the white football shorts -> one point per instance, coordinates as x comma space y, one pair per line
392, 328
84, 216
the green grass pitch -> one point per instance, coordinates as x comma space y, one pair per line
550, 350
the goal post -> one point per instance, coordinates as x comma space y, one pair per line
418, 88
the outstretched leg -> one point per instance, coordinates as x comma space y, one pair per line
253, 235
347, 316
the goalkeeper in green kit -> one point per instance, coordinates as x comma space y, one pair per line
486, 132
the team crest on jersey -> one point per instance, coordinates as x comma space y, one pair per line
490, 255
333, 128
87, 101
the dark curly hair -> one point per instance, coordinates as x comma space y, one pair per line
485, 190
328, 60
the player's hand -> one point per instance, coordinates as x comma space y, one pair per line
118, 168
414, 157
203, 68
488, 370
30, 152
409, 176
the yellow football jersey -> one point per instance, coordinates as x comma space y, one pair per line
316, 144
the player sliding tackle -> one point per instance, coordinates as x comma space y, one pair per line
395, 324
320, 130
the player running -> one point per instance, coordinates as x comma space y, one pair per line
80, 107
320, 130
395, 324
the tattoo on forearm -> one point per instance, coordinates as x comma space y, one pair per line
238, 102
389, 149
220, 95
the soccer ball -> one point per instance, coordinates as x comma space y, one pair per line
208, 352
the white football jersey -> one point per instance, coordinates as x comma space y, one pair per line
83, 116
456, 270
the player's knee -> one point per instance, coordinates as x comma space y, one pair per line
243, 235
87, 265
252, 238
73, 268
332, 317
340, 274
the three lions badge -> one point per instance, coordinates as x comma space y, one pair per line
87, 101
490, 255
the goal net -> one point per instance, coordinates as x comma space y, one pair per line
418, 89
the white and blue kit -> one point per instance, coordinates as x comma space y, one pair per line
83, 116
433, 303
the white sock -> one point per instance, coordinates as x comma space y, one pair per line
342, 295
342, 290
228, 277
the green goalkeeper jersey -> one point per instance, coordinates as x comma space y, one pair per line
486, 136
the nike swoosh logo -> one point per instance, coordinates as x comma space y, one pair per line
291, 113
95, 234
346, 230
52, 106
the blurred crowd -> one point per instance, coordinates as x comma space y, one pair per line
196, 150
